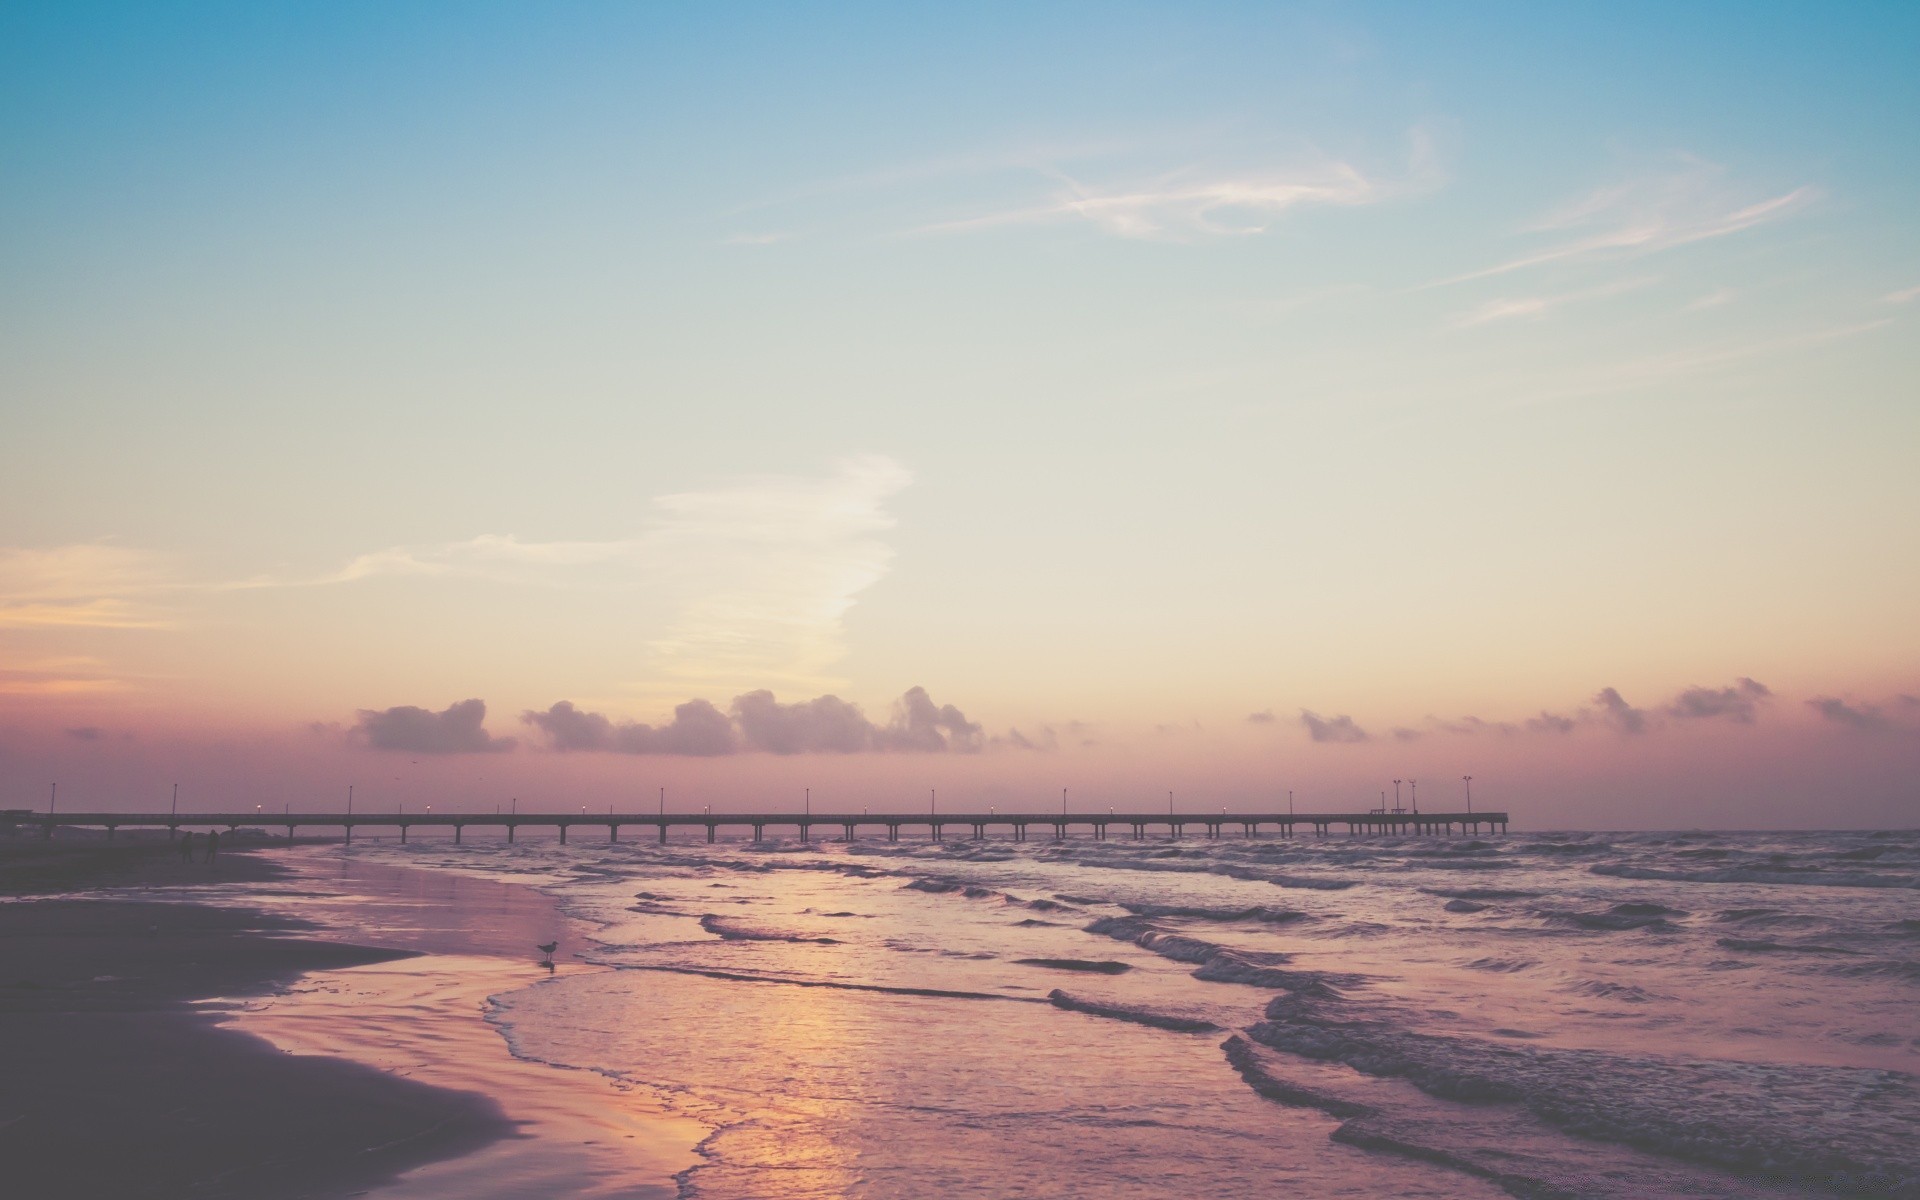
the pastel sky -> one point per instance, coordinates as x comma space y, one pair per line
1223, 399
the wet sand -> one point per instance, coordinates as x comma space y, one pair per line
114, 1086
157, 1049
576, 1133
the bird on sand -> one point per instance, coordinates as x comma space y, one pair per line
547, 948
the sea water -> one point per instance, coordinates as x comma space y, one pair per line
1670, 1014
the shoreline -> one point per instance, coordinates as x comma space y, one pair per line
117, 1084
287, 1042
576, 1132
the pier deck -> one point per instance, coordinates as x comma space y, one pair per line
849, 825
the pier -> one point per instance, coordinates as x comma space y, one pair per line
850, 826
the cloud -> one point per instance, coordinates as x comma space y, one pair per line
920, 725
1263, 717
757, 722
697, 728
759, 573
1045, 741
1331, 729
753, 578
1714, 299
753, 239
1548, 722
455, 730
66, 675
1653, 369
1902, 296
825, 725
1536, 307
1615, 711
87, 733
1688, 204
1403, 734
1189, 205
1867, 718
1471, 725
1736, 703
83, 585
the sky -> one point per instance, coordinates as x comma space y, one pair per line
558, 403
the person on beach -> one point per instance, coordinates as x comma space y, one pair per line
213, 843
186, 847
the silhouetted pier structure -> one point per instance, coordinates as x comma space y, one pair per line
937, 825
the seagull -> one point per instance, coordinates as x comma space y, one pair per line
547, 948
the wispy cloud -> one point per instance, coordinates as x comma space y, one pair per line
1903, 296
98, 585
1717, 298
1536, 307
59, 676
1194, 203
760, 572
757, 573
753, 239
1677, 364
1658, 212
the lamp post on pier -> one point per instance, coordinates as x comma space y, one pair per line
1468, 780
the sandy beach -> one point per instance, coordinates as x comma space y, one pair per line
160, 1048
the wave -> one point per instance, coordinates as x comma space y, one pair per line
831, 984
1483, 893
1776, 1120
1603, 989
1618, 919
1504, 966
1220, 964
1138, 1016
1762, 945
733, 931
1258, 912
1187, 866
1093, 966
1809, 876
1246, 1060
1041, 905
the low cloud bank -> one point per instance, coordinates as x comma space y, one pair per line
1736, 703
1868, 718
1331, 729
454, 730
757, 722
1739, 703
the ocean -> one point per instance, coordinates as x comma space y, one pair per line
1583, 1014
